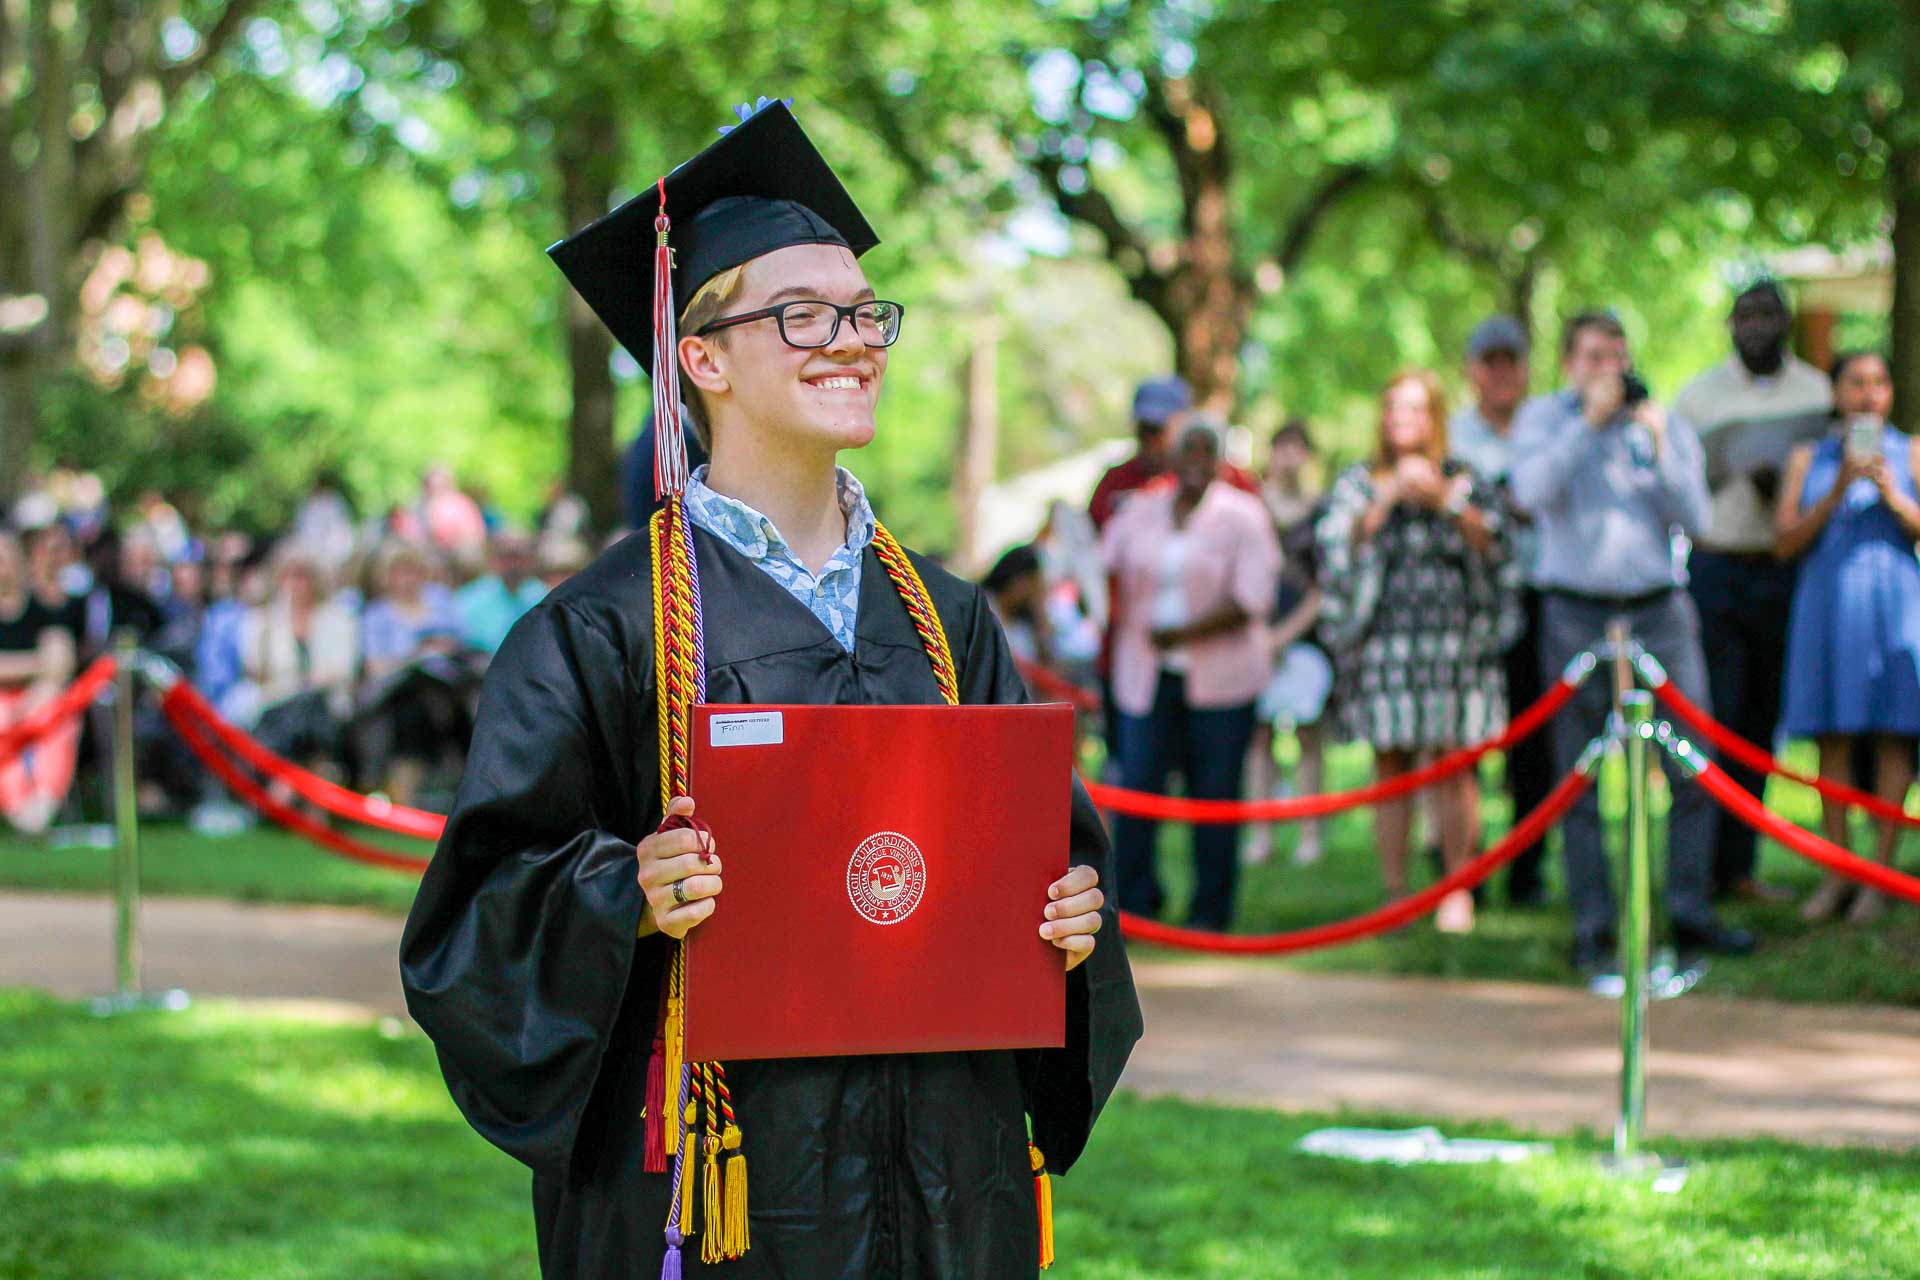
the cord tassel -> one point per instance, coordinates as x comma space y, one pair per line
712, 1246
671, 1064
670, 1265
735, 1214
688, 1150
654, 1155
1043, 1202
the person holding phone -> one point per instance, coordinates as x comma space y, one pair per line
1751, 409
1608, 476
1849, 506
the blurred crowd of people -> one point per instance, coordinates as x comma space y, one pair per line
353, 647
1757, 537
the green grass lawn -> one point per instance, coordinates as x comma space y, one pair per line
219, 1144
1833, 962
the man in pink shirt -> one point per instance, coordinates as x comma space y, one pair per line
1195, 564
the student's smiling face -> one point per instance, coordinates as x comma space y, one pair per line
824, 396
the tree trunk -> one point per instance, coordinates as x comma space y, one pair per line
1212, 303
1520, 291
978, 444
1904, 174
1209, 299
586, 156
19, 380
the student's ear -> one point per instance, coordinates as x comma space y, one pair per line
705, 362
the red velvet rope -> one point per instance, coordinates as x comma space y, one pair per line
309, 786
56, 711
1734, 747
254, 794
1744, 805
1141, 804
1393, 915
1048, 683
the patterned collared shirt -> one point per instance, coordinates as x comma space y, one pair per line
834, 593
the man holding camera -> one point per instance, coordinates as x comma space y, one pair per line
1751, 410
1609, 477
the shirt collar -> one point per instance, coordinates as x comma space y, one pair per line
1748, 377
753, 534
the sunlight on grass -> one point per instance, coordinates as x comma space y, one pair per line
220, 1144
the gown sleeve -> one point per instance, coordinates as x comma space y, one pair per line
519, 950
1066, 1087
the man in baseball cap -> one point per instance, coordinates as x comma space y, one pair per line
1480, 434
1160, 405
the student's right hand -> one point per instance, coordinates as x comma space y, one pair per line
682, 857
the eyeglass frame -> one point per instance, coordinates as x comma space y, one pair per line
778, 314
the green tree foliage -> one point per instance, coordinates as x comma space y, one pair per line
1285, 201
84, 91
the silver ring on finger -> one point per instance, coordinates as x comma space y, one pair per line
680, 892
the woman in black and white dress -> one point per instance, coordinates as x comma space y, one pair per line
1417, 600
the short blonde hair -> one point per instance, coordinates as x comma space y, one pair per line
706, 305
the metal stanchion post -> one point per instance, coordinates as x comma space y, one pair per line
1668, 979
1636, 926
127, 994
1630, 1156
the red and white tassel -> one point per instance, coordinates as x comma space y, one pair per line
669, 447
654, 1147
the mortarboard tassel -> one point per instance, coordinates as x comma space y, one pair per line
669, 447
654, 1152
1043, 1201
734, 1213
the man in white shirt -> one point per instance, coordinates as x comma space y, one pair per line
1750, 410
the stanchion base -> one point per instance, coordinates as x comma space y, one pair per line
84, 835
1665, 981
170, 1001
1667, 1176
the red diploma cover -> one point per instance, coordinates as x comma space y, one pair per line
886, 874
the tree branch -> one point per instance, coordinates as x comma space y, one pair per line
1336, 186
1187, 116
1451, 236
1124, 246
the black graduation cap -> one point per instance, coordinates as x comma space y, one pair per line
763, 186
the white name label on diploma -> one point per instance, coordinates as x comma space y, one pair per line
749, 729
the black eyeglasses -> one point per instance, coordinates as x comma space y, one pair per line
812, 323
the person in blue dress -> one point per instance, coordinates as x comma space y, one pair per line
1850, 506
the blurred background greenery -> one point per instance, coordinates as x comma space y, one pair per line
244, 242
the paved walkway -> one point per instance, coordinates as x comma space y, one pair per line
1538, 1056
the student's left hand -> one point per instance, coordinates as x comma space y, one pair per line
1073, 913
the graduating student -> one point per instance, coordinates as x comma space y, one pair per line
537, 949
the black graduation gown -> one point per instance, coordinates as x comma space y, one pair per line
519, 957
